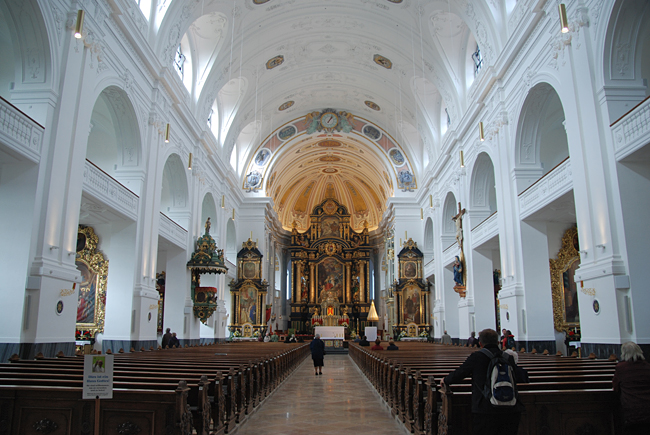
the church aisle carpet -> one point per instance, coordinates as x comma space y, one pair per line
339, 401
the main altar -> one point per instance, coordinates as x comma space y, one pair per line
329, 271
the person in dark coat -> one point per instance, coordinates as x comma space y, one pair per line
486, 419
472, 340
391, 346
364, 341
632, 383
317, 347
174, 341
166, 337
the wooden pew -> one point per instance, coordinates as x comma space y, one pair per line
216, 400
407, 380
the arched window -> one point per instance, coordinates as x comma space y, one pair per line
145, 7
478, 60
179, 62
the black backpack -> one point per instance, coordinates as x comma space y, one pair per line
500, 388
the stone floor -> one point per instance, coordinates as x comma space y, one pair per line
338, 402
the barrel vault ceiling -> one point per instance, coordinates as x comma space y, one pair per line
261, 64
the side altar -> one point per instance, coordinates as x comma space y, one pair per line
411, 298
330, 270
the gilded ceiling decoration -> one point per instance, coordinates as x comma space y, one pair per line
382, 61
275, 62
329, 154
372, 105
286, 105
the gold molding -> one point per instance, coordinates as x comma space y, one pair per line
96, 263
567, 255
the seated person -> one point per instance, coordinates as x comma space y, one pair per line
364, 341
377, 345
391, 346
472, 340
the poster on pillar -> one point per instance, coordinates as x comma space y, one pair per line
329, 269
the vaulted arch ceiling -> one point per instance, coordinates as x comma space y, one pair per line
370, 58
354, 161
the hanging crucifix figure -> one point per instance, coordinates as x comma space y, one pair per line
458, 219
459, 266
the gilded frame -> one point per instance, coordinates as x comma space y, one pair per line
406, 294
566, 257
89, 258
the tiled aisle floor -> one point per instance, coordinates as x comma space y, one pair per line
338, 402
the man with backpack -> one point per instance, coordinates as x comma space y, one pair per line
495, 407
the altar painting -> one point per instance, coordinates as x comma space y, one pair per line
566, 314
411, 305
86, 302
330, 279
248, 305
93, 268
570, 288
330, 227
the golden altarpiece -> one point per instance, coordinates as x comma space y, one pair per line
248, 292
411, 296
330, 269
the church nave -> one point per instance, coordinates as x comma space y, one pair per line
339, 401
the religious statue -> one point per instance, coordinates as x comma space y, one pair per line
316, 319
344, 320
458, 220
458, 271
207, 226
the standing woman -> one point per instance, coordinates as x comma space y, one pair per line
317, 348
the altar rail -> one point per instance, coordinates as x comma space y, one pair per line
19, 132
632, 131
547, 189
173, 232
109, 191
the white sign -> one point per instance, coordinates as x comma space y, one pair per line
98, 377
371, 333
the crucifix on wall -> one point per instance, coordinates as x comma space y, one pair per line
458, 220
459, 265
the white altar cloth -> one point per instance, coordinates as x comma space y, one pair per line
330, 332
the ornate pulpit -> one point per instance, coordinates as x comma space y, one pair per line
411, 291
206, 259
248, 291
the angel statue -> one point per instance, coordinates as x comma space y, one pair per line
207, 226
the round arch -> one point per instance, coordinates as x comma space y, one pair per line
448, 212
25, 29
209, 211
114, 142
428, 235
541, 141
626, 55
482, 188
231, 242
174, 197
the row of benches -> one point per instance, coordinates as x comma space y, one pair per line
565, 395
204, 390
